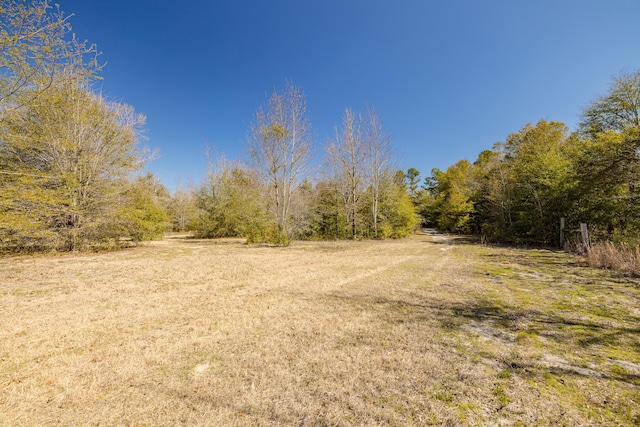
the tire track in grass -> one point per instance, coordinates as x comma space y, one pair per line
374, 272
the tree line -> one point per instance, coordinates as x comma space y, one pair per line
276, 197
72, 177
519, 190
71, 163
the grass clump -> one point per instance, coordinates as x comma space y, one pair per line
621, 257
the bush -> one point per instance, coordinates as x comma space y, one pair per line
269, 234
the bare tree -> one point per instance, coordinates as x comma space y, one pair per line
361, 161
280, 146
379, 161
347, 155
182, 208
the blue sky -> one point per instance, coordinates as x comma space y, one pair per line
449, 78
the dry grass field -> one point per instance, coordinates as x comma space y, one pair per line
429, 330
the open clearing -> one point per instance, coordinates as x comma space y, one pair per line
428, 330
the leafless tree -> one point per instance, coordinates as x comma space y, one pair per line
347, 155
379, 157
360, 158
280, 146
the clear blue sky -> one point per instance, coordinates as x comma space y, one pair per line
449, 78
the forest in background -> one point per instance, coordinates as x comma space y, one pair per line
72, 167
545, 178
518, 191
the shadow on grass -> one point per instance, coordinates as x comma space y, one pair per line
574, 335
544, 324
507, 325
457, 240
559, 260
534, 258
213, 242
441, 238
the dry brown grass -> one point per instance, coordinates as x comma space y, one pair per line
621, 257
423, 331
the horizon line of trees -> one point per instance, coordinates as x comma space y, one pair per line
518, 191
71, 166
71, 163
274, 199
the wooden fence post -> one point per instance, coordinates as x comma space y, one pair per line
585, 234
561, 232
